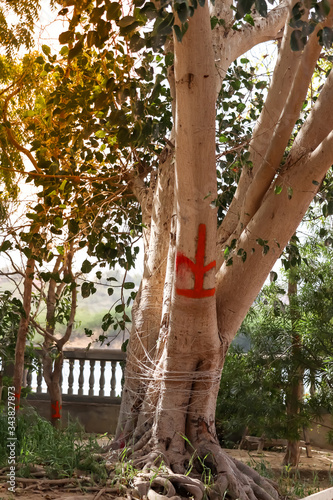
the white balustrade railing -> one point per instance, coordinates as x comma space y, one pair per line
93, 373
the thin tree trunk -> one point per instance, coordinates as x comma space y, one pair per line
23, 330
52, 368
295, 390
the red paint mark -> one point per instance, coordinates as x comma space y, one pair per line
57, 409
197, 267
17, 397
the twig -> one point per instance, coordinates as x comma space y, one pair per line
42, 482
42, 330
99, 494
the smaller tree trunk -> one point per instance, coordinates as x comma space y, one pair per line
52, 368
52, 371
23, 330
295, 390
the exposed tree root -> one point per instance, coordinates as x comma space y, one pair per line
208, 473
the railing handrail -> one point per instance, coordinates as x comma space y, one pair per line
92, 354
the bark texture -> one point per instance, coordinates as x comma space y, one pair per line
191, 302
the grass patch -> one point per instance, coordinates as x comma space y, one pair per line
60, 452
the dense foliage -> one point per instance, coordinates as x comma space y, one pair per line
261, 364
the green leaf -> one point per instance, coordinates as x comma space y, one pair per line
273, 276
58, 222
64, 51
120, 308
62, 185
46, 49
73, 226
110, 291
316, 183
277, 189
129, 285
66, 37
85, 289
330, 207
243, 7
86, 266
327, 37
236, 84
163, 26
178, 32
183, 11
92, 38
297, 41
100, 134
124, 345
213, 22
249, 19
6, 245
113, 11
261, 7
76, 50
126, 21
260, 241
290, 192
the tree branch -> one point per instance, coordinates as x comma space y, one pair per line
10, 134
230, 44
318, 124
42, 330
284, 73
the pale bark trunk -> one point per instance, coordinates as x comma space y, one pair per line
172, 382
147, 309
188, 327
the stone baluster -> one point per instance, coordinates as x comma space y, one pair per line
113, 378
71, 376
122, 365
102, 379
92, 377
24, 378
29, 378
39, 378
81, 377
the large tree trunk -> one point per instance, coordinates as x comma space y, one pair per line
174, 419
183, 323
147, 308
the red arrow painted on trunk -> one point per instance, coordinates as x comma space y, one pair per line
17, 397
57, 409
197, 267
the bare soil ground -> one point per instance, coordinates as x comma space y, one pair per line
312, 475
